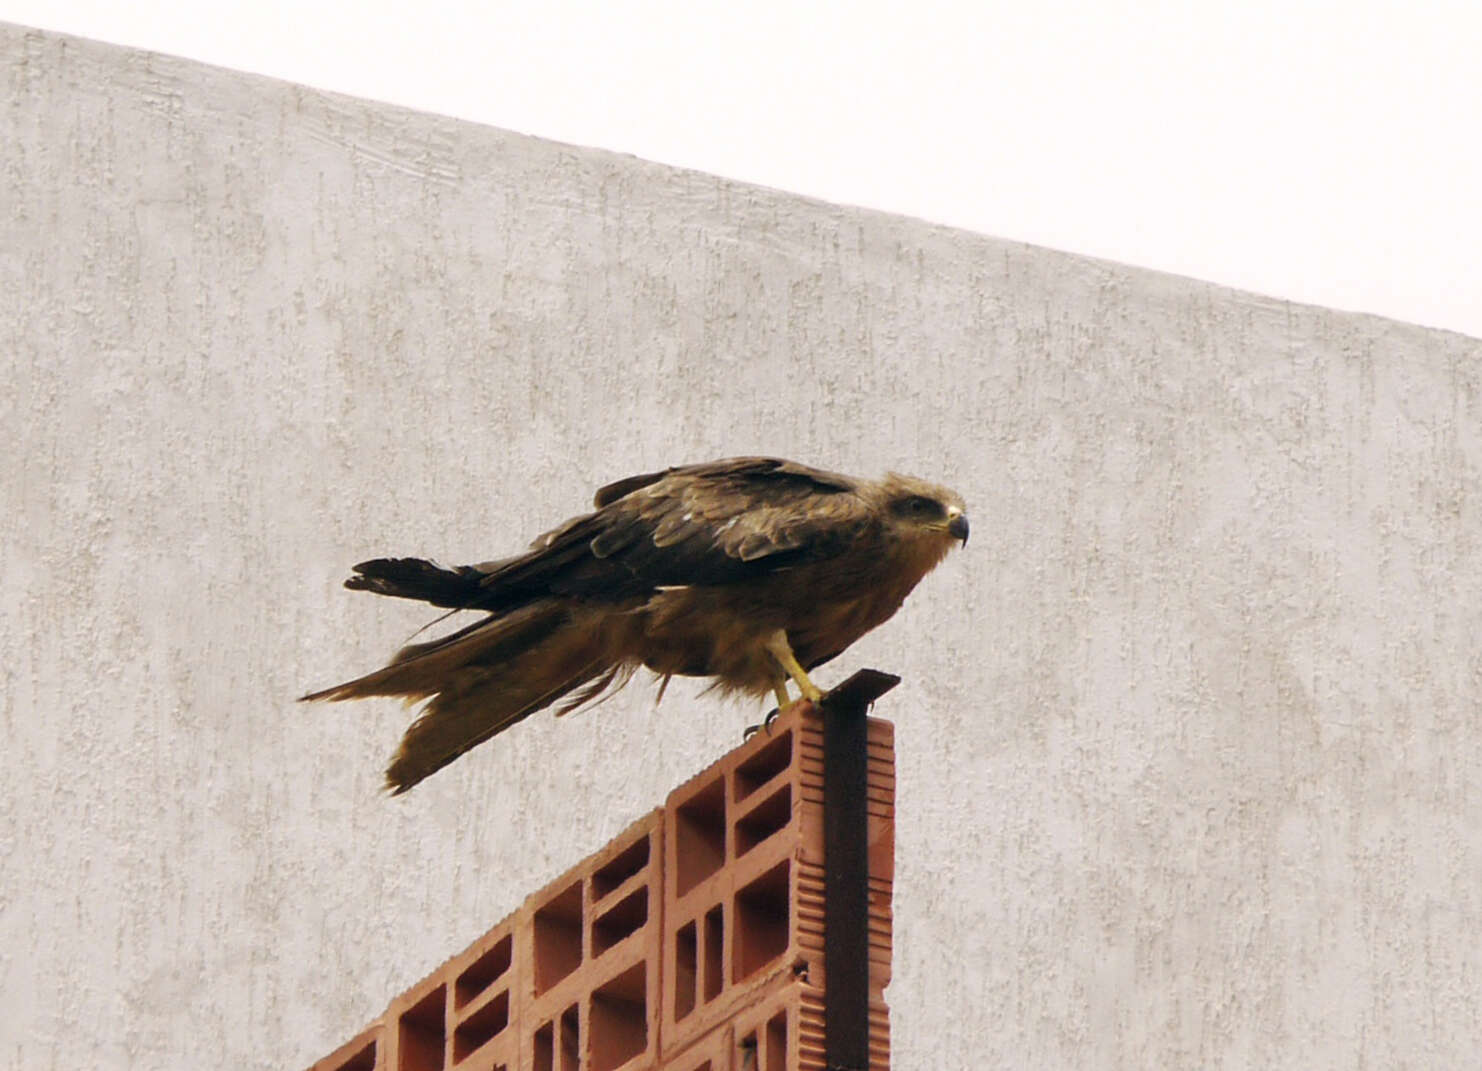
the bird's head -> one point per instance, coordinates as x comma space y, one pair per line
923, 514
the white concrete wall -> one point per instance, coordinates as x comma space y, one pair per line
1190, 747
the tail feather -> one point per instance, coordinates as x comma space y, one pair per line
600, 690
419, 670
484, 678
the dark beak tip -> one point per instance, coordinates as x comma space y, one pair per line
959, 528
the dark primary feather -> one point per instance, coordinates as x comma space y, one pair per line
674, 569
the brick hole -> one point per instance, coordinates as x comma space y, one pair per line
557, 935
618, 1025
763, 766
570, 1040
776, 1052
483, 972
686, 962
761, 923
627, 863
423, 1032
364, 1059
558, 1054
700, 837
770, 816
714, 952
625, 918
481, 1027
545, 1049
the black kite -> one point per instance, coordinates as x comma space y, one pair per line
750, 570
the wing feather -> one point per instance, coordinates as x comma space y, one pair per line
731, 467
716, 523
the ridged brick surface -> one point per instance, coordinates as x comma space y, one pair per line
692, 941
779, 1028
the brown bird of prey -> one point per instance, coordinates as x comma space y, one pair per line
752, 571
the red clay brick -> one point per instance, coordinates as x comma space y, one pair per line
779, 1029
711, 1053
417, 1027
485, 1006
590, 942
881, 840
692, 942
784, 1031
743, 891
361, 1053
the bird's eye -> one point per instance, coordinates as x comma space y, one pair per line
916, 507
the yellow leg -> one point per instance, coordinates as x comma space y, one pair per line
778, 647
780, 691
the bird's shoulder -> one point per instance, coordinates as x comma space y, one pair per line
713, 523
754, 477
743, 508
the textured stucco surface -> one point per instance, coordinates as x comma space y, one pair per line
1189, 740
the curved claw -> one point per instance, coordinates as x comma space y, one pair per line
751, 730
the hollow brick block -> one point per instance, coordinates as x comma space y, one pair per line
783, 1030
780, 1028
692, 941
360, 1053
416, 1026
744, 874
483, 1003
712, 1052
590, 942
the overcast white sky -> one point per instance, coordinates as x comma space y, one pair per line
1325, 152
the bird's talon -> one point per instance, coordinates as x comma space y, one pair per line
766, 725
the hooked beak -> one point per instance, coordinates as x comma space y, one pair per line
957, 527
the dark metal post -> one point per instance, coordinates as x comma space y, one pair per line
846, 849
